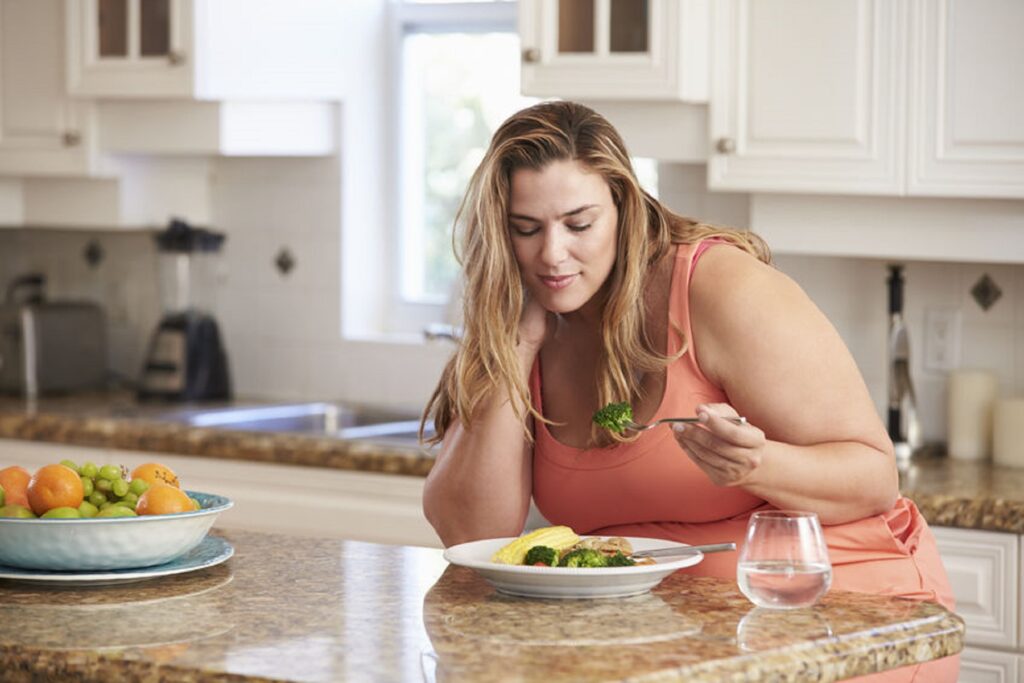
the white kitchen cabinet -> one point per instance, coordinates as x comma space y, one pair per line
205, 49
615, 49
807, 95
305, 501
42, 130
989, 666
966, 107
879, 97
984, 572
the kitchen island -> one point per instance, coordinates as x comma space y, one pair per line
294, 609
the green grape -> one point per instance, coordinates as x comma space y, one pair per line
71, 464
120, 487
87, 509
89, 469
97, 498
117, 511
61, 513
138, 486
195, 504
129, 499
110, 472
87, 487
104, 485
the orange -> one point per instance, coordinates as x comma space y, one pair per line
162, 499
15, 480
155, 473
54, 486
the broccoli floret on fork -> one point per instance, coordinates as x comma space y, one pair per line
615, 417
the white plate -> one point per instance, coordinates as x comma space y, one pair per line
563, 582
211, 551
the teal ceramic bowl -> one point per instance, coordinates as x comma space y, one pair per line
109, 542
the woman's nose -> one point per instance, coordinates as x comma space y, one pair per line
553, 251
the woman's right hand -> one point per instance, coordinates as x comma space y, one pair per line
533, 323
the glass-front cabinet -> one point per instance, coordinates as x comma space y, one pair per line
615, 49
43, 131
130, 47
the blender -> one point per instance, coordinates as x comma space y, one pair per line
186, 360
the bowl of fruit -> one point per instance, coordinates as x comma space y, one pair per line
66, 517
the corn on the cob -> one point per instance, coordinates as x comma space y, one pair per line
557, 537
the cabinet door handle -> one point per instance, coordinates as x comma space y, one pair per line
176, 57
531, 55
71, 138
725, 145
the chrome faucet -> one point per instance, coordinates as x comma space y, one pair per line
442, 331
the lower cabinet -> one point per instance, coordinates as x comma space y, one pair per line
984, 569
978, 665
305, 501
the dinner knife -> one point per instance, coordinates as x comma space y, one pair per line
684, 550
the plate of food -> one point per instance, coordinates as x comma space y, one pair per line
554, 562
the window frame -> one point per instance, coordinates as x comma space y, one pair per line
407, 17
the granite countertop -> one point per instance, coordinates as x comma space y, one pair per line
117, 420
970, 495
291, 609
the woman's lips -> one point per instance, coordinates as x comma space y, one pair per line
558, 281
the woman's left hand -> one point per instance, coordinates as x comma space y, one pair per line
727, 452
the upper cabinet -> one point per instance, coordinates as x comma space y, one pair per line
815, 97
204, 49
615, 49
43, 131
967, 99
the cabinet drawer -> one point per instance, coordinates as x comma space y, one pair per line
988, 666
983, 568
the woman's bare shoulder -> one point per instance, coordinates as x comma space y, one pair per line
725, 278
734, 299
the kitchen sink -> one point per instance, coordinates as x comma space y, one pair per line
325, 419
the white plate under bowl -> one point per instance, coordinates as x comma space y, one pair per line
565, 582
103, 543
210, 552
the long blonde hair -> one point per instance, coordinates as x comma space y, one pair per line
486, 361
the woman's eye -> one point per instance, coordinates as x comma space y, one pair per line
577, 228
525, 232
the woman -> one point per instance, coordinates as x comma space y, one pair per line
582, 290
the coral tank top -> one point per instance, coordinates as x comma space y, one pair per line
651, 488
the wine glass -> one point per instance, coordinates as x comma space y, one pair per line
784, 562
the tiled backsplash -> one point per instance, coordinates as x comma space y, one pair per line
282, 331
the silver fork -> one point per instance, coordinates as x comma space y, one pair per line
636, 427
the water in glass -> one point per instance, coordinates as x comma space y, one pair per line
784, 561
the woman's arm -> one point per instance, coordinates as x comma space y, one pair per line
482, 479
815, 440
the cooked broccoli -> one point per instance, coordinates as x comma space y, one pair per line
620, 560
541, 554
614, 416
584, 557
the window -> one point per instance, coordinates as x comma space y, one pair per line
457, 78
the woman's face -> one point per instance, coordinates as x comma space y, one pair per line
563, 224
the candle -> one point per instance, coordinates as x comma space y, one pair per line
972, 394
1008, 432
